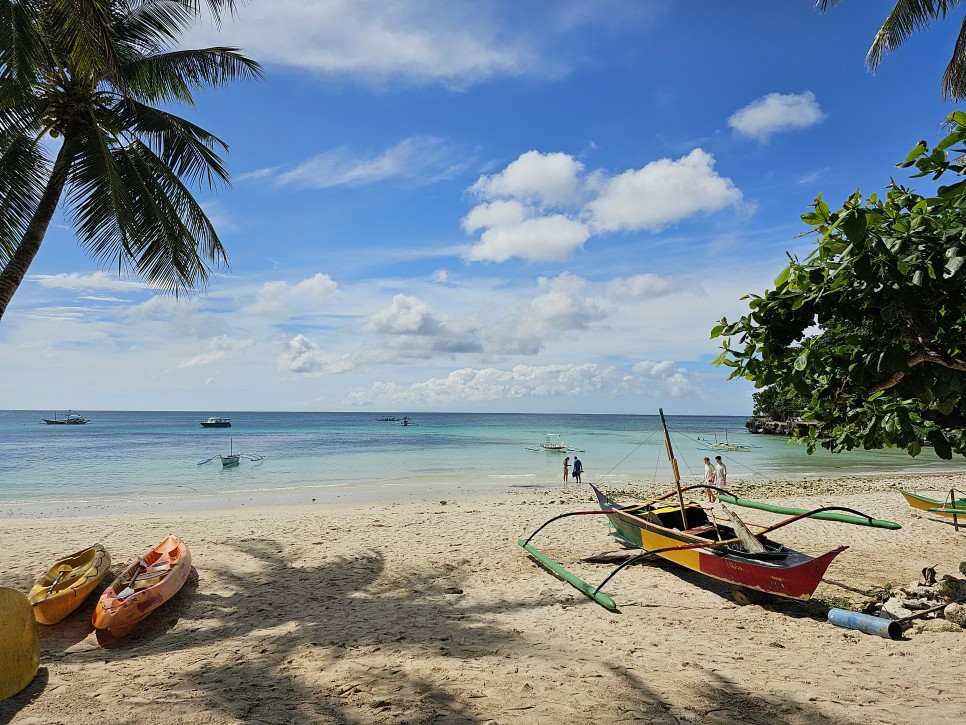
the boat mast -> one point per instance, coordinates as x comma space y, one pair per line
674, 468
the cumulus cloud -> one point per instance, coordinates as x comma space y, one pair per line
419, 159
529, 381
543, 207
661, 193
546, 179
776, 113
279, 298
405, 316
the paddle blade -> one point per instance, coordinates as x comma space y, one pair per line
18, 641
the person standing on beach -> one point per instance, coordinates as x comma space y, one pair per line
708, 474
578, 469
566, 468
720, 473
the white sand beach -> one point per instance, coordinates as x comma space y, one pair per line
429, 612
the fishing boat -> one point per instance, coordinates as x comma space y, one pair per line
145, 585
232, 459
214, 422
70, 419
726, 445
67, 583
698, 538
946, 507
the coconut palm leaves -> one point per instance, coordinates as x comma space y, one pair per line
91, 75
907, 17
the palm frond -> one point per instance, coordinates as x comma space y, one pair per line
21, 43
187, 149
906, 18
23, 172
954, 79
174, 75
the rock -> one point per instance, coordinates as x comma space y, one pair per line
938, 625
892, 609
962, 568
951, 588
955, 613
920, 590
920, 604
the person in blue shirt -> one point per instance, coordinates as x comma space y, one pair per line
578, 469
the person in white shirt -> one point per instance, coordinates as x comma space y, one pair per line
720, 473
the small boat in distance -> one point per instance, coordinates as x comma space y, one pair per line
726, 445
553, 442
70, 419
214, 422
231, 459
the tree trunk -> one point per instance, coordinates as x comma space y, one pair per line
16, 269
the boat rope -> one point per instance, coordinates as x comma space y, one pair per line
621, 461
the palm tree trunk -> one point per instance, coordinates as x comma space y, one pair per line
16, 269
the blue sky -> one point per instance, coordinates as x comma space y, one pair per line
458, 206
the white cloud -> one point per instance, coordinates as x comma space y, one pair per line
776, 113
661, 193
405, 316
94, 281
546, 179
418, 158
532, 209
647, 286
280, 298
220, 348
529, 381
417, 41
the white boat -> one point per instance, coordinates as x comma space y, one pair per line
553, 442
726, 445
214, 422
231, 459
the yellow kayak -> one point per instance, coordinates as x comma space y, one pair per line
67, 583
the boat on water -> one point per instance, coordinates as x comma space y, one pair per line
145, 585
554, 443
725, 445
232, 459
70, 419
708, 538
947, 508
67, 583
214, 422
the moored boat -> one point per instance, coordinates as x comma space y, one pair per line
145, 585
923, 503
67, 583
721, 547
215, 422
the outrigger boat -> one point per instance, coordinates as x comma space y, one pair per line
553, 442
685, 534
948, 507
726, 445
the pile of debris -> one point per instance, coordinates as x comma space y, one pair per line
931, 599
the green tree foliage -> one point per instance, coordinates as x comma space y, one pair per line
775, 403
907, 17
94, 76
871, 326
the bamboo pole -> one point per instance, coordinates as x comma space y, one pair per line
674, 468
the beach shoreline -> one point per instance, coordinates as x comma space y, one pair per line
425, 610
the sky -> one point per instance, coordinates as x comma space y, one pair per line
503, 206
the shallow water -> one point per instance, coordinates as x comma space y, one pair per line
123, 460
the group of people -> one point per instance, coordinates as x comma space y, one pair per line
578, 469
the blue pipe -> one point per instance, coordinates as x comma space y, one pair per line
880, 626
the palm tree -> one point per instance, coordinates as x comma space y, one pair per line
907, 17
91, 75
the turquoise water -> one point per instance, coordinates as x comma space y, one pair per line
126, 459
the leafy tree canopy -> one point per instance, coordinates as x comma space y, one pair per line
871, 327
775, 403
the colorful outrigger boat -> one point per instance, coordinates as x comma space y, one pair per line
729, 551
947, 507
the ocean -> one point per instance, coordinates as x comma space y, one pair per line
130, 461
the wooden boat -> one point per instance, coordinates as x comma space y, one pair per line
685, 533
67, 583
69, 419
19, 643
214, 422
922, 503
144, 586
726, 445
553, 443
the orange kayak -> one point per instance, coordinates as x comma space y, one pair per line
144, 586
67, 583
